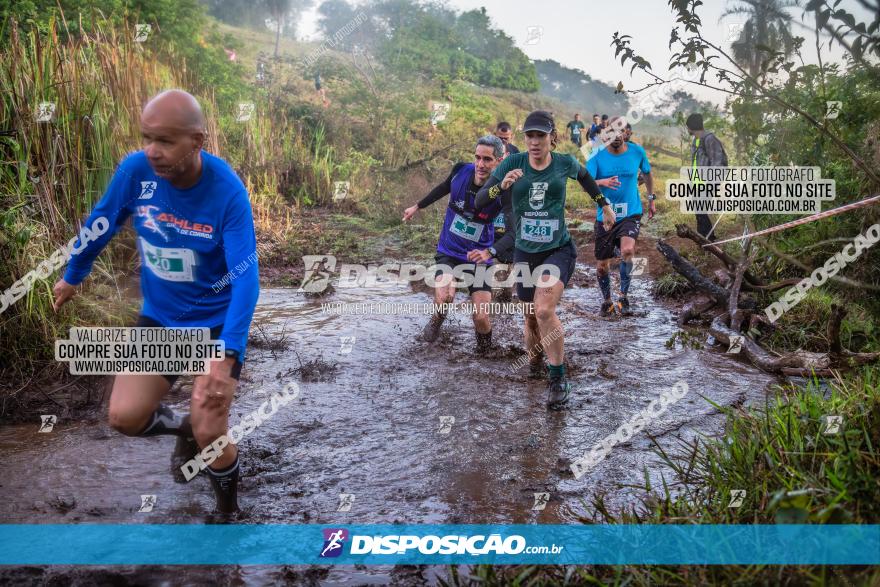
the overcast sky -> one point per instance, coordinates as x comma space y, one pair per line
577, 33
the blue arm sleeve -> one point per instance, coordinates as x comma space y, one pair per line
115, 207
240, 248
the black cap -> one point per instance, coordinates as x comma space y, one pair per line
695, 121
539, 120
604, 117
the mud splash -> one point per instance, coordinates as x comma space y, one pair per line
416, 432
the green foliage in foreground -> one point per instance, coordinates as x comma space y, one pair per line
179, 31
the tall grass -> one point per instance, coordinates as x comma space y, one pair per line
51, 173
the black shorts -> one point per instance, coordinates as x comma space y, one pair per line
563, 257
607, 240
441, 259
577, 141
147, 322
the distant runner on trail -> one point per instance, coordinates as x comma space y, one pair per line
619, 164
319, 88
594, 128
193, 222
505, 132
706, 151
466, 239
537, 180
576, 128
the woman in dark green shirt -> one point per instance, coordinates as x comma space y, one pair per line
537, 178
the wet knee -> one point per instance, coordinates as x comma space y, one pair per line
125, 422
445, 297
481, 322
627, 251
206, 431
602, 270
545, 313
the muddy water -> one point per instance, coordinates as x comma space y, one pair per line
370, 426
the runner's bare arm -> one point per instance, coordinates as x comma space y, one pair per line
649, 185
649, 182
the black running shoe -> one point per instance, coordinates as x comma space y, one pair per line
623, 306
184, 451
558, 391
607, 309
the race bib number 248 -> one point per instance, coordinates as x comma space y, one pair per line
538, 231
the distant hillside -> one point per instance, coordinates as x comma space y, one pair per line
579, 90
581, 93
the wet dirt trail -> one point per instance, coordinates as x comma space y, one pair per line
371, 427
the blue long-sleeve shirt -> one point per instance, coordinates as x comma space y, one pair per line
197, 246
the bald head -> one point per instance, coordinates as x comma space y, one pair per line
174, 110
173, 131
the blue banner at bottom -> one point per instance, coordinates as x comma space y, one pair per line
182, 544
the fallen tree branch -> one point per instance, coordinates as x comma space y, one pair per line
799, 363
685, 231
736, 316
410, 164
727, 325
693, 275
760, 357
694, 308
773, 286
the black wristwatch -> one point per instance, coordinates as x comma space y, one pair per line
493, 252
232, 354
652, 197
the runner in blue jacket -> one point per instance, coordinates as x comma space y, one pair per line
195, 234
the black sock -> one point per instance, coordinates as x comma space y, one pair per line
165, 421
225, 483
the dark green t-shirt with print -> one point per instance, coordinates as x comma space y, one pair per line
539, 200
